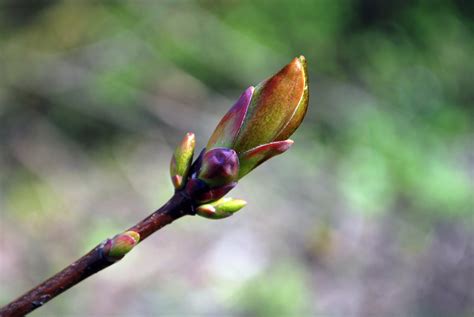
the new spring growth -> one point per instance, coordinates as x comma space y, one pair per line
254, 130
116, 248
257, 127
221, 208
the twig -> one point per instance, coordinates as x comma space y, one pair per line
94, 261
241, 142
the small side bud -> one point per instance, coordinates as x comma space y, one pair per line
121, 244
221, 208
181, 160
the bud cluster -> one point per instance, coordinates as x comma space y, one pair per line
254, 130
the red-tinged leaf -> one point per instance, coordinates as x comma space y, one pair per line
300, 110
256, 156
272, 107
228, 128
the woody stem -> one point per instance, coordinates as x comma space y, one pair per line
94, 261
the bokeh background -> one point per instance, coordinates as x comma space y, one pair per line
369, 214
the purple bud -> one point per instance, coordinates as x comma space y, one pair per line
220, 166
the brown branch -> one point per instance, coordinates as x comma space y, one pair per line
94, 261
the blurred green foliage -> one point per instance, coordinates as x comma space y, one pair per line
95, 94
